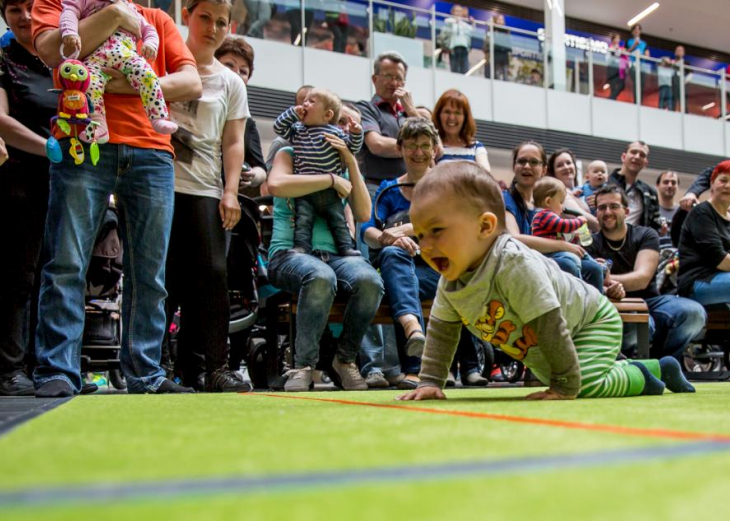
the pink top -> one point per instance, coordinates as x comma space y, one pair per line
75, 10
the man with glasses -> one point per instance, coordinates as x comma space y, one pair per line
643, 199
634, 252
381, 160
382, 118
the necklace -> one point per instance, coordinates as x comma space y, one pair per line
620, 246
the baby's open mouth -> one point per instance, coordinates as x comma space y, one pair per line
441, 263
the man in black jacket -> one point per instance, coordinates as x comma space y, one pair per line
643, 198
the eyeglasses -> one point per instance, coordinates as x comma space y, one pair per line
412, 147
612, 206
532, 162
390, 77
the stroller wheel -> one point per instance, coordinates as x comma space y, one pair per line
512, 371
117, 379
257, 363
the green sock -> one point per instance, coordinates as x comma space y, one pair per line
652, 385
652, 365
636, 380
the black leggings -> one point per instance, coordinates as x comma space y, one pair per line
197, 282
23, 207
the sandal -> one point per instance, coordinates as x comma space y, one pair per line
415, 343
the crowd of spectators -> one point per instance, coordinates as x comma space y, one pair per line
176, 211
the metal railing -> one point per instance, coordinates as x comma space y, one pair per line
497, 52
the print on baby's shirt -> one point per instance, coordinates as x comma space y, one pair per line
499, 333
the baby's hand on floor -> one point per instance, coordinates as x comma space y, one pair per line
72, 41
423, 393
549, 395
149, 52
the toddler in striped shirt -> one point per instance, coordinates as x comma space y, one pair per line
549, 195
307, 126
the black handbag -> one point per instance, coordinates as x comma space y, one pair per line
397, 219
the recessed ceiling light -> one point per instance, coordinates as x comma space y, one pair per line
643, 14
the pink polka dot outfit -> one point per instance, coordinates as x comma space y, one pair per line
118, 52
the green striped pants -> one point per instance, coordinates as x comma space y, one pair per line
598, 345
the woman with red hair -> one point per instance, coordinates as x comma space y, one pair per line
704, 245
457, 130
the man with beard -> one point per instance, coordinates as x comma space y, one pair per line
634, 252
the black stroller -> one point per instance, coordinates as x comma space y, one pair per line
103, 326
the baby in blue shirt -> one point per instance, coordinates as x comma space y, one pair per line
596, 178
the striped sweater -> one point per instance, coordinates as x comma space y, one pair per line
312, 153
550, 225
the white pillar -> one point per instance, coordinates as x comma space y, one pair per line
555, 42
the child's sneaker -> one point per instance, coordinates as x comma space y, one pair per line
298, 380
164, 126
474, 379
99, 379
349, 376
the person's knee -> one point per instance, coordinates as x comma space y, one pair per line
367, 283
393, 254
321, 280
568, 265
692, 317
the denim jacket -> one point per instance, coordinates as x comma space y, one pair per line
651, 215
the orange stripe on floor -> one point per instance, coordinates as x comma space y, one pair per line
612, 429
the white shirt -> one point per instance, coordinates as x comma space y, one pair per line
197, 142
636, 205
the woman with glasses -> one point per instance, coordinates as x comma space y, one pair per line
407, 278
529, 165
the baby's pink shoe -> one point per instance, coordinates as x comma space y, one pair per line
164, 126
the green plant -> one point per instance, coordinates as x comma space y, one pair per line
405, 26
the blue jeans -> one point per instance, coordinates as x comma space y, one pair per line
673, 323
316, 279
406, 283
586, 269
143, 181
459, 60
717, 291
379, 351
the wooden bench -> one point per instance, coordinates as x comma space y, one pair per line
635, 311
632, 311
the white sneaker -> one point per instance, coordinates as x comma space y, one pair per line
299, 380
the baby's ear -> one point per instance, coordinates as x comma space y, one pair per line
488, 224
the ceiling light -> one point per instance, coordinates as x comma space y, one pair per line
643, 14
708, 106
606, 86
